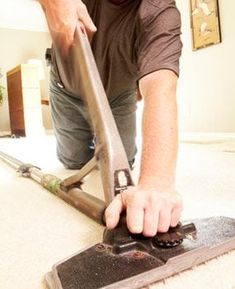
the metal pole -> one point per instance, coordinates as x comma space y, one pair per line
79, 75
84, 202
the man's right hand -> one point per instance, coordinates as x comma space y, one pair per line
62, 17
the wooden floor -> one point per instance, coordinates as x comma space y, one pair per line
38, 230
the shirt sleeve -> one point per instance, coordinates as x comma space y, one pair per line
159, 45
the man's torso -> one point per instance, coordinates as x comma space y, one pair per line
133, 38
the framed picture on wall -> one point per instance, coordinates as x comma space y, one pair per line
205, 23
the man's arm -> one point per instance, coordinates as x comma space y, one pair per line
62, 17
153, 205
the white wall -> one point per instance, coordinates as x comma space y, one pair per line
207, 82
206, 89
18, 46
22, 15
24, 35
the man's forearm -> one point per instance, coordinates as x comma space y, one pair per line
42, 2
48, 3
153, 205
51, 4
159, 152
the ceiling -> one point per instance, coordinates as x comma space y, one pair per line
22, 14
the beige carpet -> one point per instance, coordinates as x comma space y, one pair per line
37, 229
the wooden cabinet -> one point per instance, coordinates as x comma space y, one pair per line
24, 99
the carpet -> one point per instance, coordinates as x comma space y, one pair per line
38, 229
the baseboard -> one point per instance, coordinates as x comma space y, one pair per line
4, 133
205, 137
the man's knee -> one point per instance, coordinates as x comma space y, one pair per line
75, 160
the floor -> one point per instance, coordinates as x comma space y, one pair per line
38, 229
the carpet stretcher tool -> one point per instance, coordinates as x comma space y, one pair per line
121, 260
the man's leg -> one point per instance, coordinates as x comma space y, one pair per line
71, 126
124, 111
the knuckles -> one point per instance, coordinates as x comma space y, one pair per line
135, 200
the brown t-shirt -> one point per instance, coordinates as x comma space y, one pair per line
133, 39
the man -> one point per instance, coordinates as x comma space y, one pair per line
137, 46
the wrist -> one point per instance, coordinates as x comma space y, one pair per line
53, 6
49, 2
44, 3
157, 184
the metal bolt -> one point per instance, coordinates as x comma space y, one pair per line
138, 255
100, 248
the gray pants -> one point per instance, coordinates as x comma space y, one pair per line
75, 139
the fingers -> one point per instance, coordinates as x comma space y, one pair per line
62, 18
85, 18
135, 218
176, 210
164, 219
175, 216
134, 212
147, 212
157, 217
151, 217
113, 211
170, 213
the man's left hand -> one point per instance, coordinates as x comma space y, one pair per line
148, 211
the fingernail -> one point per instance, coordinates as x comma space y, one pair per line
109, 223
136, 230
